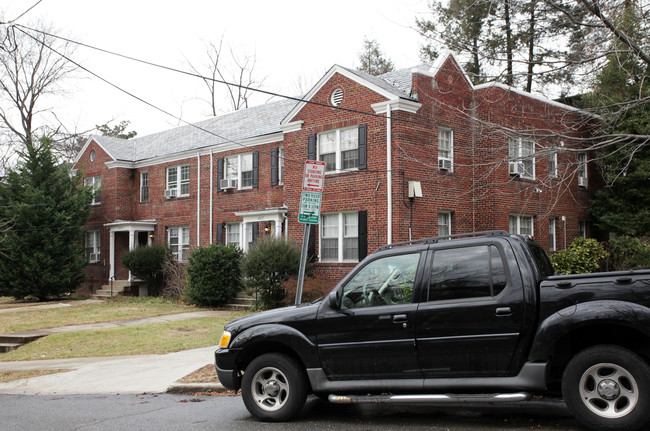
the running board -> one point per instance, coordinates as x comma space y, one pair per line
428, 399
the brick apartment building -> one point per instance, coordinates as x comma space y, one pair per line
414, 153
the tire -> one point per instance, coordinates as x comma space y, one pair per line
274, 388
608, 388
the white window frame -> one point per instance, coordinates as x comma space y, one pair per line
338, 150
518, 222
349, 232
93, 246
182, 234
180, 184
281, 165
552, 165
96, 184
144, 186
519, 157
582, 228
444, 222
582, 170
232, 169
231, 230
552, 234
446, 136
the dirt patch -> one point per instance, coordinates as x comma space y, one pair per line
10, 376
205, 374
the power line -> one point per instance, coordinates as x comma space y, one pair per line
22, 14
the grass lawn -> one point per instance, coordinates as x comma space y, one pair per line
119, 308
135, 340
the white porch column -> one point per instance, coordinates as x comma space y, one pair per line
131, 246
111, 256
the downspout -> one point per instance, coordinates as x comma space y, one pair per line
389, 175
211, 194
198, 199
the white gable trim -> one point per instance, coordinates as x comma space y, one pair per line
396, 105
319, 85
85, 147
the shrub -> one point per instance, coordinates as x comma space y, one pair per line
584, 255
175, 279
213, 275
267, 266
628, 253
312, 288
146, 263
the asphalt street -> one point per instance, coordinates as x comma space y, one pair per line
185, 412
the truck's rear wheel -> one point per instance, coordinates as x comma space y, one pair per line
608, 388
274, 387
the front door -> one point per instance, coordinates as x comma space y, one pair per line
371, 335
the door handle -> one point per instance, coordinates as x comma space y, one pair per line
400, 318
504, 311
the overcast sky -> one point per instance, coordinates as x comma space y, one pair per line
294, 42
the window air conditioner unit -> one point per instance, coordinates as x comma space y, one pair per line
171, 193
228, 183
515, 168
582, 182
444, 164
94, 257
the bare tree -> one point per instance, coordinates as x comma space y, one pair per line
232, 75
29, 72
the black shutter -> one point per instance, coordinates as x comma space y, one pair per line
274, 167
363, 147
219, 173
311, 248
311, 147
363, 234
256, 169
256, 232
218, 240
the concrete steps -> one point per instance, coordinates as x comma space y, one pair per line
241, 302
120, 288
9, 342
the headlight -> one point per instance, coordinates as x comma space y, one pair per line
225, 340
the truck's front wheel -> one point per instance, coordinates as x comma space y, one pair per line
274, 387
608, 388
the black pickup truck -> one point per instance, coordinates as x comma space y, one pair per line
479, 318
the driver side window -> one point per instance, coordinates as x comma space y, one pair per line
385, 281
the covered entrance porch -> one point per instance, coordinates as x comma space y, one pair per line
126, 235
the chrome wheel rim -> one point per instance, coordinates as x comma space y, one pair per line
270, 389
609, 390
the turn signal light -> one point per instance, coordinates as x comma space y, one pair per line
225, 340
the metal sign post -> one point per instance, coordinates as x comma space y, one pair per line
309, 213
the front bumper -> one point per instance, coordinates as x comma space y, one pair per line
224, 363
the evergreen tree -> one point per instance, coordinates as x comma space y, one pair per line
43, 255
624, 206
372, 59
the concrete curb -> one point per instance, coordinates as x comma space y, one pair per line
188, 388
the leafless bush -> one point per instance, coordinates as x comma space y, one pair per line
175, 279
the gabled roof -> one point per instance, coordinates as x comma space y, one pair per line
230, 128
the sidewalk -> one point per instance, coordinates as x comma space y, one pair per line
115, 375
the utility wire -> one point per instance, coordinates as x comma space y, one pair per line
22, 14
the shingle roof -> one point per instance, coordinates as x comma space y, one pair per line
233, 127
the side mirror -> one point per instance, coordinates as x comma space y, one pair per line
333, 299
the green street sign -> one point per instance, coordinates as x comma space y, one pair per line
309, 207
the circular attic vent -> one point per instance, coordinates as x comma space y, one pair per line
92, 156
337, 97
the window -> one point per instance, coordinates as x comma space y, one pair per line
179, 242
551, 234
520, 154
582, 169
339, 237
582, 228
445, 149
444, 224
93, 243
96, 184
239, 168
281, 165
339, 149
521, 225
178, 179
233, 233
144, 186
385, 281
467, 272
552, 165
